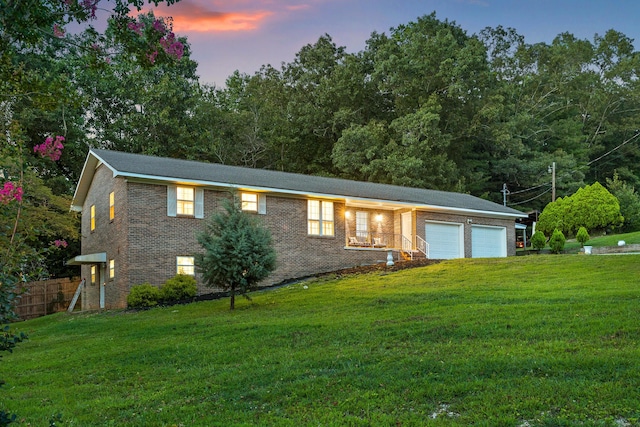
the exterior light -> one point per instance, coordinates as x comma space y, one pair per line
347, 214
379, 218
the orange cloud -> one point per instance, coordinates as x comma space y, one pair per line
196, 18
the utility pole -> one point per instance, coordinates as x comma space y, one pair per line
553, 182
504, 192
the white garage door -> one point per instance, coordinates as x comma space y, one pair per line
445, 240
488, 242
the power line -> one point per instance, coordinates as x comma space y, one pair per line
611, 151
530, 188
533, 198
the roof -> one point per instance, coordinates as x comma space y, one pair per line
212, 174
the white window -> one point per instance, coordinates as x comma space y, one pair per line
186, 265
112, 269
249, 202
185, 198
112, 211
320, 218
185, 201
93, 217
254, 202
362, 224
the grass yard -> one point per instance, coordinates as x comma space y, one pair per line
599, 241
523, 341
572, 246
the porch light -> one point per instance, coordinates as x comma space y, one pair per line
379, 218
347, 214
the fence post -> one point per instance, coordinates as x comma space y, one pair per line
75, 296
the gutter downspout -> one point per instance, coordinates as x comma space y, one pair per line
103, 282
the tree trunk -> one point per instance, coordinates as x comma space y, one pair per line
233, 299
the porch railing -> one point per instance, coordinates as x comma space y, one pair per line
388, 241
422, 246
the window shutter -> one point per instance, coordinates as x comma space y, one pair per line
262, 204
172, 200
199, 203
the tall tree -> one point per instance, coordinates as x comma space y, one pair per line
238, 253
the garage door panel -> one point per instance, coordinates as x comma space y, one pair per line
445, 240
488, 242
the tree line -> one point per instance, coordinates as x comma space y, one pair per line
425, 104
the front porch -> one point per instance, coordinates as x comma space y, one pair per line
383, 227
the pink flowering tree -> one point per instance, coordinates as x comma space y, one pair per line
35, 223
44, 70
24, 223
149, 39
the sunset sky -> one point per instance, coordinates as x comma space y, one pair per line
228, 35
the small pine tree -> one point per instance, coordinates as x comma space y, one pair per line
582, 236
538, 240
238, 252
556, 242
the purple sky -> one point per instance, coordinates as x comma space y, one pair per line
229, 35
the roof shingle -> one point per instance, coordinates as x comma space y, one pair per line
167, 169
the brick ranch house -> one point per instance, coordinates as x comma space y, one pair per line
141, 214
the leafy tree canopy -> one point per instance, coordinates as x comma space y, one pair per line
592, 207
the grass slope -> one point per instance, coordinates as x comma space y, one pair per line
572, 246
534, 341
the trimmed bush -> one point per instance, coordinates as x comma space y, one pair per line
582, 236
538, 240
178, 288
556, 242
143, 296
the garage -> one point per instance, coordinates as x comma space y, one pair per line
445, 239
488, 242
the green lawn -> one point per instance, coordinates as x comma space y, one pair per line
523, 341
610, 240
572, 246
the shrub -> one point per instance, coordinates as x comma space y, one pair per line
238, 251
582, 236
143, 296
178, 288
538, 240
556, 242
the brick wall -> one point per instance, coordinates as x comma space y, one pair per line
108, 237
156, 239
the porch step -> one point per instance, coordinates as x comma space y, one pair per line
412, 255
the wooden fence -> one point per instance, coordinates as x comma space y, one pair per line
46, 297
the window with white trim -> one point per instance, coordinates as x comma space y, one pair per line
253, 202
186, 265
94, 270
320, 218
362, 224
185, 201
249, 202
112, 269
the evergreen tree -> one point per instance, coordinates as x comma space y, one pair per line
238, 252
629, 201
